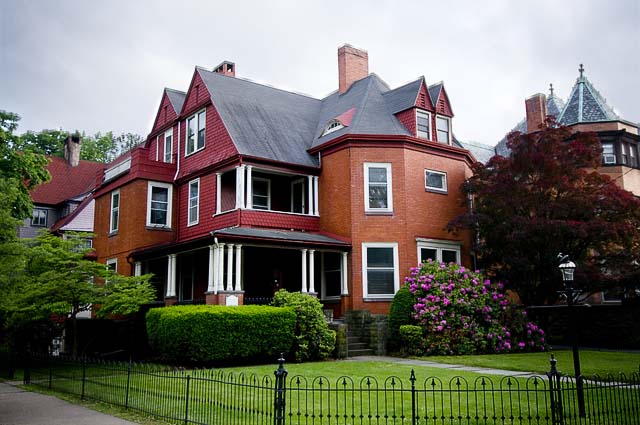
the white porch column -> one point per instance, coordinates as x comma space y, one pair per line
229, 267
238, 284
218, 193
240, 187
304, 271
249, 187
220, 268
211, 282
345, 286
316, 208
171, 275
310, 194
312, 274
137, 268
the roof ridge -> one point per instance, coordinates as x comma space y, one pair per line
175, 90
406, 84
247, 80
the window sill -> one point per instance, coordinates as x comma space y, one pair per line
113, 233
386, 298
186, 155
195, 223
157, 227
438, 191
387, 213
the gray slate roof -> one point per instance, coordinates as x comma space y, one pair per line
585, 104
270, 123
434, 92
480, 151
264, 121
176, 97
280, 235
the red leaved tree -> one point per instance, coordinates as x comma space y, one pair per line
546, 198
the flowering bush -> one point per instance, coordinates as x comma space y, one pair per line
462, 313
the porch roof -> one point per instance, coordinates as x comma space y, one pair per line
280, 236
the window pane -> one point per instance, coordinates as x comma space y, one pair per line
193, 190
159, 194
377, 196
201, 129
332, 274
380, 257
158, 216
423, 125
435, 180
377, 175
380, 282
260, 187
442, 126
428, 253
449, 256
115, 200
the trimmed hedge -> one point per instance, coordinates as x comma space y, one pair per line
401, 313
211, 333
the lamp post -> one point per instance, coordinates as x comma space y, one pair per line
567, 267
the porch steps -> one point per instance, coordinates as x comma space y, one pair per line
357, 347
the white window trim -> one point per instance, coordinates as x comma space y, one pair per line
449, 125
422, 111
168, 133
46, 217
113, 229
387, 166
186, 145
169, 188
396, 274
113, 261
436, 189
609, 158
253, 204
333, 125
438, 245
197, 220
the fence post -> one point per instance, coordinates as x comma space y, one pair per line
413, 397
280, 392
555, 394
27, 369
84, 375
186, 401
126, 397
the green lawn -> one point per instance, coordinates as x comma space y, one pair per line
592, 362
324, 392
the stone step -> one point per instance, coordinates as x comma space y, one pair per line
363, 352
358, 346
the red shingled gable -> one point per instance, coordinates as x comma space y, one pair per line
66, 181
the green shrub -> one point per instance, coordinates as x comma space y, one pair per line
211, 333
314, 339
400, 313
412, 339
463, 313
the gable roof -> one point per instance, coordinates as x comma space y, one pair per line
264, 121
586, 104
80, 219
66, 182
403, 97
176, 97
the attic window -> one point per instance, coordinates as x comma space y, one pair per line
333, 125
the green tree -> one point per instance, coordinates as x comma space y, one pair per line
45, 142
55, 278
548, 197
20, 171
107, 147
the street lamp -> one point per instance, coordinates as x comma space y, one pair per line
567, 267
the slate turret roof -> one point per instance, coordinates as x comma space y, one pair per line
585, 104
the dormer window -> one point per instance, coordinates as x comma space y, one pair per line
608, 154
333, 125
423, 124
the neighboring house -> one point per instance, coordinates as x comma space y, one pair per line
586, 110
242, 189
64, 203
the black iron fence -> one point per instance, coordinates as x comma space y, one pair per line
218, 397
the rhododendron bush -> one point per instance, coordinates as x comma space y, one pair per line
463, 313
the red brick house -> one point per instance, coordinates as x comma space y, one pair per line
242, 189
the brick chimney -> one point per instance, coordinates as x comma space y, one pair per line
226, 68
353, 65
72, 150
536, 107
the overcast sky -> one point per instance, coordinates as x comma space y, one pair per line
102, 65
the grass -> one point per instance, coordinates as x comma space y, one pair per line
592, 362
441, 392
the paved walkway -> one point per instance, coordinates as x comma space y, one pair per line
21, 407
426, 363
